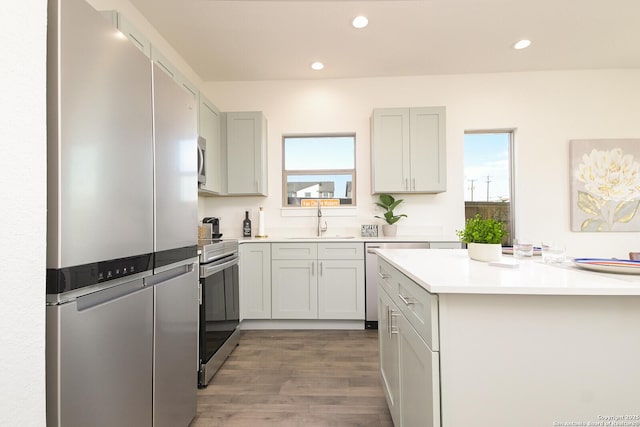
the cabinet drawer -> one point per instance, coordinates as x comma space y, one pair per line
386, 279
294, 251
339, 250
445, 245
419, 307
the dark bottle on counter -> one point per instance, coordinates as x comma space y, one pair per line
246, 225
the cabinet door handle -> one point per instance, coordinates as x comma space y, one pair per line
407, 300
414, 183
371, 249
394, 328
383, 276
313, 268
320, 268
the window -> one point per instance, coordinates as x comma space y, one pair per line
319, 167
488, 173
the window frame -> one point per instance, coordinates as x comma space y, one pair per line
511, 171
286, 173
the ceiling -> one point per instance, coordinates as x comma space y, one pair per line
278, 40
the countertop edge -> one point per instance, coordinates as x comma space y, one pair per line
611, 284
360, 239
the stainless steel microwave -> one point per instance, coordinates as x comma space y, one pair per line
202, 171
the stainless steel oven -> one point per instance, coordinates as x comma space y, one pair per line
219, 306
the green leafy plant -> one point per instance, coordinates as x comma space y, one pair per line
481, 230
388, 203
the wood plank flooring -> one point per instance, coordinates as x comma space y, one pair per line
297, 378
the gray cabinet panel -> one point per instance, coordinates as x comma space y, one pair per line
246, 150
255, 280
428, 157
390, 142
409, 150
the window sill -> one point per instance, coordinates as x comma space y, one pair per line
326, 211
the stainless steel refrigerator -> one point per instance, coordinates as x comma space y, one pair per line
121, 280
175, 279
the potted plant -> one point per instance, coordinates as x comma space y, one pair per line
389, 203
483, 238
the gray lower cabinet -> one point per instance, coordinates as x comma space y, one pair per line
388, 353
294, 289
255, 281
409, 366
318, 281
302, 281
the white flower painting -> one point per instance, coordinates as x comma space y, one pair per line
605, 185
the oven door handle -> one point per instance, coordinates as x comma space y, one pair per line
208, 270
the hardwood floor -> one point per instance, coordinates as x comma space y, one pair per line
297, 378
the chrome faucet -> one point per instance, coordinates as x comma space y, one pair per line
321, 229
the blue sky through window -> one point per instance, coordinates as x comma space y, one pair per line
310, 153
310, 156
486, 155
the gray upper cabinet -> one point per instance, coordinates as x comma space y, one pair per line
246, 150
408, 150
209, 129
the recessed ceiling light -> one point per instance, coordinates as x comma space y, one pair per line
360, 22
317, 66
522, 44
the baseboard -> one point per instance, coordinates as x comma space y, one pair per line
248, 324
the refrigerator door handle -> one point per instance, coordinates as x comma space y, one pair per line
171, 274
107, 295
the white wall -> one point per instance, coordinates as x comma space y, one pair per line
547, 109
22, 212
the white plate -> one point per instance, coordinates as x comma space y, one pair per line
607, 265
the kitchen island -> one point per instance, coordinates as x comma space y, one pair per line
465, 343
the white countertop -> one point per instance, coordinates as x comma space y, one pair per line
450, 271
329, 238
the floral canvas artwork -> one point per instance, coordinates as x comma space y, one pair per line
605, 184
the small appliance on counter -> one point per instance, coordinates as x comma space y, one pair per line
212, 224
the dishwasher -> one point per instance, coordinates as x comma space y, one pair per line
371, 276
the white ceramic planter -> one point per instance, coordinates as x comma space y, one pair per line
485, 252
389, 230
